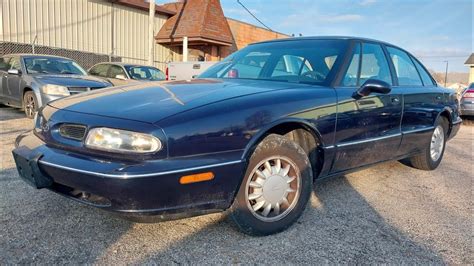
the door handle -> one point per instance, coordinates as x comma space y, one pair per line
438, 97
395, 100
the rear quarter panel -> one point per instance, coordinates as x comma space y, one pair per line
422, 107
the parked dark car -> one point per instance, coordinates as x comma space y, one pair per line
467, 101
124, 73
29, 81
248, 136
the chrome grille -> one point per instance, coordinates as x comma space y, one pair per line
69, 131
76, 90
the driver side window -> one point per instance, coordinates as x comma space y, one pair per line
374, 66
99, 70
114, 71
4, 63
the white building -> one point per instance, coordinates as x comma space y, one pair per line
470, 62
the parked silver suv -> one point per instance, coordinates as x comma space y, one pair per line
29, 81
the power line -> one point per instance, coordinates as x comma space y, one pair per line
255, 17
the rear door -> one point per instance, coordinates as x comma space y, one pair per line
423, 100
368, 128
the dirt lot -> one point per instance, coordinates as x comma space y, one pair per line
388, 213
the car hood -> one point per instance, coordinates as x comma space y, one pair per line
152, 101
72, 80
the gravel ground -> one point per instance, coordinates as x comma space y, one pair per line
389, 213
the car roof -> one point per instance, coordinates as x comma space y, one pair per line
38, 55
123, 64
325, 38
348, 38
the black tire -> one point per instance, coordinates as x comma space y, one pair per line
424, 160
30, 104
293, 157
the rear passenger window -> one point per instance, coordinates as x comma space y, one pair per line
425, 77
404, 67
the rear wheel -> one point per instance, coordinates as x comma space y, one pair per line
276, 187
30, 104
433, 153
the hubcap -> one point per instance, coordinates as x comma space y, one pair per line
437, 143
273, 189
30, 105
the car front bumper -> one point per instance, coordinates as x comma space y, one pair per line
137, 190
467, 106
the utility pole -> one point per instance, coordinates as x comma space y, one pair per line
151, 37
446, 74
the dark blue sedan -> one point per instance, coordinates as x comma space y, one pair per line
249, 136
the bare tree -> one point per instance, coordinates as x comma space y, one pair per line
439, 77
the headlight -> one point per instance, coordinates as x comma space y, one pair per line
52, 89
115, 140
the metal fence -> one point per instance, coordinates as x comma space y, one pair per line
85, 59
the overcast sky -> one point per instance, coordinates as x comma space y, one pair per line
433, 30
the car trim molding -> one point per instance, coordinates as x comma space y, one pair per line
126, 176
418, 130
349, 143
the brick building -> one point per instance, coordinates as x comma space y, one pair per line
210, 35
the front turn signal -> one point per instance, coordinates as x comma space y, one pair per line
188, 179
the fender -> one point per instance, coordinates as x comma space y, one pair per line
449, 110
263, 131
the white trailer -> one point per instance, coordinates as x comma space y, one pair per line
186, 70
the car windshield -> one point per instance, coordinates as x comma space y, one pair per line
51, 65
306, 61
145, 73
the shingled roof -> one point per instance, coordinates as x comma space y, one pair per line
470, 60
202, 21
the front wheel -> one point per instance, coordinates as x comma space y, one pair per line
30, 104
276, 187
433, 153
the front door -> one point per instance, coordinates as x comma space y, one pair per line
13, 81
4, 67
368, 128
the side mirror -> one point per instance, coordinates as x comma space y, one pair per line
121, 77
14, 71
373, 85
